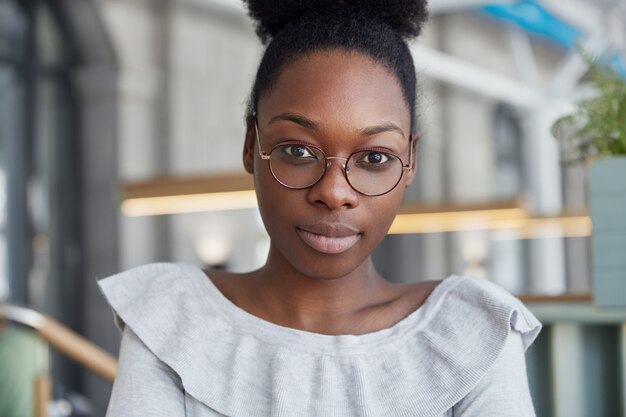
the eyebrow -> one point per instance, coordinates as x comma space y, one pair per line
310, 124
295, 118
385, 127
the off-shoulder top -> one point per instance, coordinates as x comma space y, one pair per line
187, 350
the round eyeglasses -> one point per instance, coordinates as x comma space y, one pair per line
371, 171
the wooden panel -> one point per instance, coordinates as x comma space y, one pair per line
173, 186
420, 207
43, 395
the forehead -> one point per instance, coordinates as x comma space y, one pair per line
338, 87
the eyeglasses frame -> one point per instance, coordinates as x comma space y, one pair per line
266, 156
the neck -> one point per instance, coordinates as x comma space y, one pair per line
321, 304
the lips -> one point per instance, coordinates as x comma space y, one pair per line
329, 238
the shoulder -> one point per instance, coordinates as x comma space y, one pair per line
465, 327
476, 306
171, 308
154, 295
141, 278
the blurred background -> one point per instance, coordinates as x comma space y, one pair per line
121, 131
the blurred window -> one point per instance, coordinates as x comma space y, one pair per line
13, 34
508, 254
508, 153
38, 181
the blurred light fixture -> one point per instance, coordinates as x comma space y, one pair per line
424, 218
566, 225
189, 203
510, 216
236, 191
213, 249
188, 195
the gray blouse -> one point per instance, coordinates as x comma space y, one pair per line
188, 351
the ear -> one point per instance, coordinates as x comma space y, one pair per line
248, 147
410, 176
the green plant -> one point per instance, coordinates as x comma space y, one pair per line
598, 126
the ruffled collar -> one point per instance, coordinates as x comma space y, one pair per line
303, 341
239, 365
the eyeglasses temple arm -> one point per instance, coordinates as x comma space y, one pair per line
262, 154
409, 166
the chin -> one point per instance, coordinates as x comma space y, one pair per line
328, 271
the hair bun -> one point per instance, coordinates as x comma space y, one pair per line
404, 16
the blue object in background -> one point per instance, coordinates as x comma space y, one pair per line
533, 18
618, 65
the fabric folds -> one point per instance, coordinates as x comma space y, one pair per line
240, 365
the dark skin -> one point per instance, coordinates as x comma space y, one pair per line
340, 101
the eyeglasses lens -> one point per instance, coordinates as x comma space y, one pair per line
373, 172
297, 166
369, 172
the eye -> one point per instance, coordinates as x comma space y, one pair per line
298, 151
373, 158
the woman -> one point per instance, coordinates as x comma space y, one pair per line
317, 331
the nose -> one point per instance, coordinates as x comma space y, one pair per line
330, 159
333, 189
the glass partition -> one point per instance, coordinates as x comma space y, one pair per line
13, 34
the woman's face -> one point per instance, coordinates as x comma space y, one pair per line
340, 102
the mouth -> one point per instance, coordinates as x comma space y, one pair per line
329, 238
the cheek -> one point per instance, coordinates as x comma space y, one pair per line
276, 202
383, 211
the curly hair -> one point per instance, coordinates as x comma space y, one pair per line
292, 29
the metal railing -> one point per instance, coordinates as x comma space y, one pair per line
64, 340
